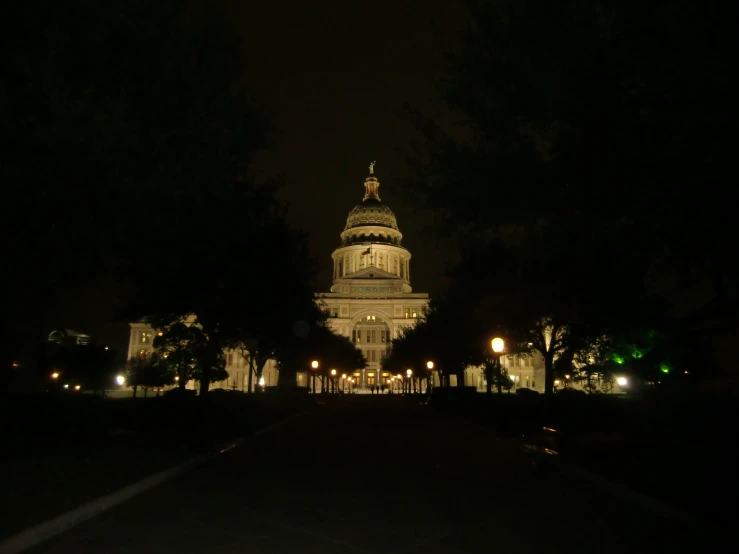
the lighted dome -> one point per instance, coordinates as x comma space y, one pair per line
371, 212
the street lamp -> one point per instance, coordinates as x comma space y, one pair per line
55, 375
498, 345
409, 372
343, 382
314, 365
120, 379
430, 367
333, 381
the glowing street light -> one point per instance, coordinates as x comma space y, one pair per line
498, 345
429, 365
77, 387
622, 381
120, 379
333, 380
314, 365
55, 375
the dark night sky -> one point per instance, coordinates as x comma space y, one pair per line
334, 77
337, 82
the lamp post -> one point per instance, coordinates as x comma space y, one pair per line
430, 368
409, 373
498, 345
333, 381
314, 365
343, 382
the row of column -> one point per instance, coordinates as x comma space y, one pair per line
342, 268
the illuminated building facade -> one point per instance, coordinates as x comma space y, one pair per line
371, 298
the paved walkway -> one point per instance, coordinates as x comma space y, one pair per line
377, 475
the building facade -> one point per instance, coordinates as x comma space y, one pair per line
141, 344
371, 299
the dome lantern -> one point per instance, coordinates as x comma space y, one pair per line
371, 212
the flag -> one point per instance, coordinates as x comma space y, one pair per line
368, 251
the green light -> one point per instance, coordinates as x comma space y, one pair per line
664, 368
618, 359
636, 353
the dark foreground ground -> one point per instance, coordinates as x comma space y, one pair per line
381, 475
59, 452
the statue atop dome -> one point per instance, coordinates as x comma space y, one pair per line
372, 168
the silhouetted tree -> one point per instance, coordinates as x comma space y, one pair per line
583, 125
320, 343
159, 136
180, 344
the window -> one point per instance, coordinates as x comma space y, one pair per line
145, 337
415, 314
372, 336
356, 336
383, 336
334, 312
360, 289
407, 313
372, 355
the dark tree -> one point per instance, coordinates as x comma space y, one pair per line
332, 351
588, 141
130, 129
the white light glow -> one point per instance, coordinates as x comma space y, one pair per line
498, 345
622, 381
120, 379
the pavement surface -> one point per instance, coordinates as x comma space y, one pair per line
380, 475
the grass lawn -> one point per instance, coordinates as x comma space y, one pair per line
61, 452
677, 450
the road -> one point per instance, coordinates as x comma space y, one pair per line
378, 475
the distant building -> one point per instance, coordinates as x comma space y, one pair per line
68, 337
141, 343
371, 298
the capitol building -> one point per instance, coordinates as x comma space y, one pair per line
370, 299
